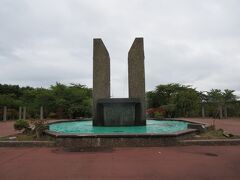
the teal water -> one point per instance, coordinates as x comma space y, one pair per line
153, 126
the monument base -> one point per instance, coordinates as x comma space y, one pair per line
119, 112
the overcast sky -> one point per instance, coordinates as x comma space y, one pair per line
189, 42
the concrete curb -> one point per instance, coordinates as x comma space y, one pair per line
122, 135
27, 143
210, 142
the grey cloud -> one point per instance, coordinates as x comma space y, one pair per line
189, 42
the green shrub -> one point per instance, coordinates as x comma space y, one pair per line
21, 125
52, 115
158, 115
39, 126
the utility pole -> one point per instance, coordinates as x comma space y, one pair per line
41, 112
20, 113
24, 112
4, 113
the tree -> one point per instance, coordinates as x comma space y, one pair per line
72, 101
203, 100
176, 99
61, 101
187, 102
228, 97
215, 96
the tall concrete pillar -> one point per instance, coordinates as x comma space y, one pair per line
41, 112
24, 112
101, 76
136, 76
20, 113
4, 113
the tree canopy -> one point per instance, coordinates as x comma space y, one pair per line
60, 101
75, 100
178, 100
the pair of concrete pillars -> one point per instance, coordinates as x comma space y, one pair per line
20, 116
136, 76
21, 113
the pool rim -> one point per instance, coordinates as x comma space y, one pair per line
122, 135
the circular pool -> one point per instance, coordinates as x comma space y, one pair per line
152, 127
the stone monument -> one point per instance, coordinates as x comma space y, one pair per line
101, 76
118, 111
136, 76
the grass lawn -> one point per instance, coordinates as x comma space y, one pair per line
25, 137
214, 134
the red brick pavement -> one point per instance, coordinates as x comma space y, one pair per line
192, 162
232, 125
6, 128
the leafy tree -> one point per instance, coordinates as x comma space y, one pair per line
228, 97
187, 102
176, 99
215, 96
74, 100
64, 101
203, 100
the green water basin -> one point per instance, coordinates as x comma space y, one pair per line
152, 127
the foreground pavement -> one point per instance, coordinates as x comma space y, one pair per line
191, 162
